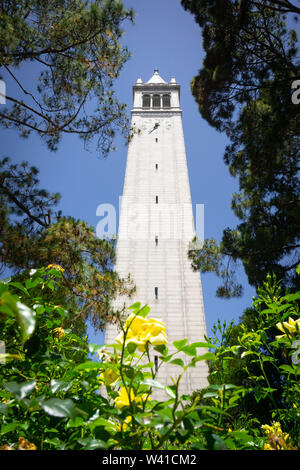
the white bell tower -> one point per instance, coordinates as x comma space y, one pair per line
156, 224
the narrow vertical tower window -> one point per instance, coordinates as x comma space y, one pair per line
156, 101
166, 101
155, 363
146, 101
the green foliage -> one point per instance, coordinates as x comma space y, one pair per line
244, 89
32, 234
76, 50
262, 365
53, 396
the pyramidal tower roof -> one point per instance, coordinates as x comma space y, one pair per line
156, 78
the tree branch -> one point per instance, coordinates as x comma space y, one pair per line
19, 204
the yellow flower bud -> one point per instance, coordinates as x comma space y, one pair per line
23, 444
55, 266
60, 332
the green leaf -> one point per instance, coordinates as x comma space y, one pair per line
202, 344
166, 358
56, 443
75, 422
135, 306
143, 312
3, 288
5, 428
206, 357
3, 408
178, 362
40, 309
149, 365
219, 444
19, 286
140, 417
92, 444
60, 385
153, 383
26, 320
165, 412
211, 394
190, 350
162, 349
30, 283
171, 390
287, 368
46, 430
102, 422
292, 297
51, 285
197, 446
131, 347
221, 386
179, 344
248, 353
20, 390
60, 408
89, 366
8, 304
129, 372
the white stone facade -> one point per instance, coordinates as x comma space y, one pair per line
156, 225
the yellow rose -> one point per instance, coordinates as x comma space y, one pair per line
159, 339
135, 323
138, 339
23, 444
155, 331
291, 326
141, 331
125, 425
123, 398
60, 332
6, 447
277, 440
142, 398
156, 326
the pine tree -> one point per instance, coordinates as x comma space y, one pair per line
74, 46
33, 234
244, 89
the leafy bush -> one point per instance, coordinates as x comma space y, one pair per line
59, 392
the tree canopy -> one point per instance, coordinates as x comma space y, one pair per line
33, 234
244, 88
74, 47
74, 53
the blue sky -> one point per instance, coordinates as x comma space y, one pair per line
166, 37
